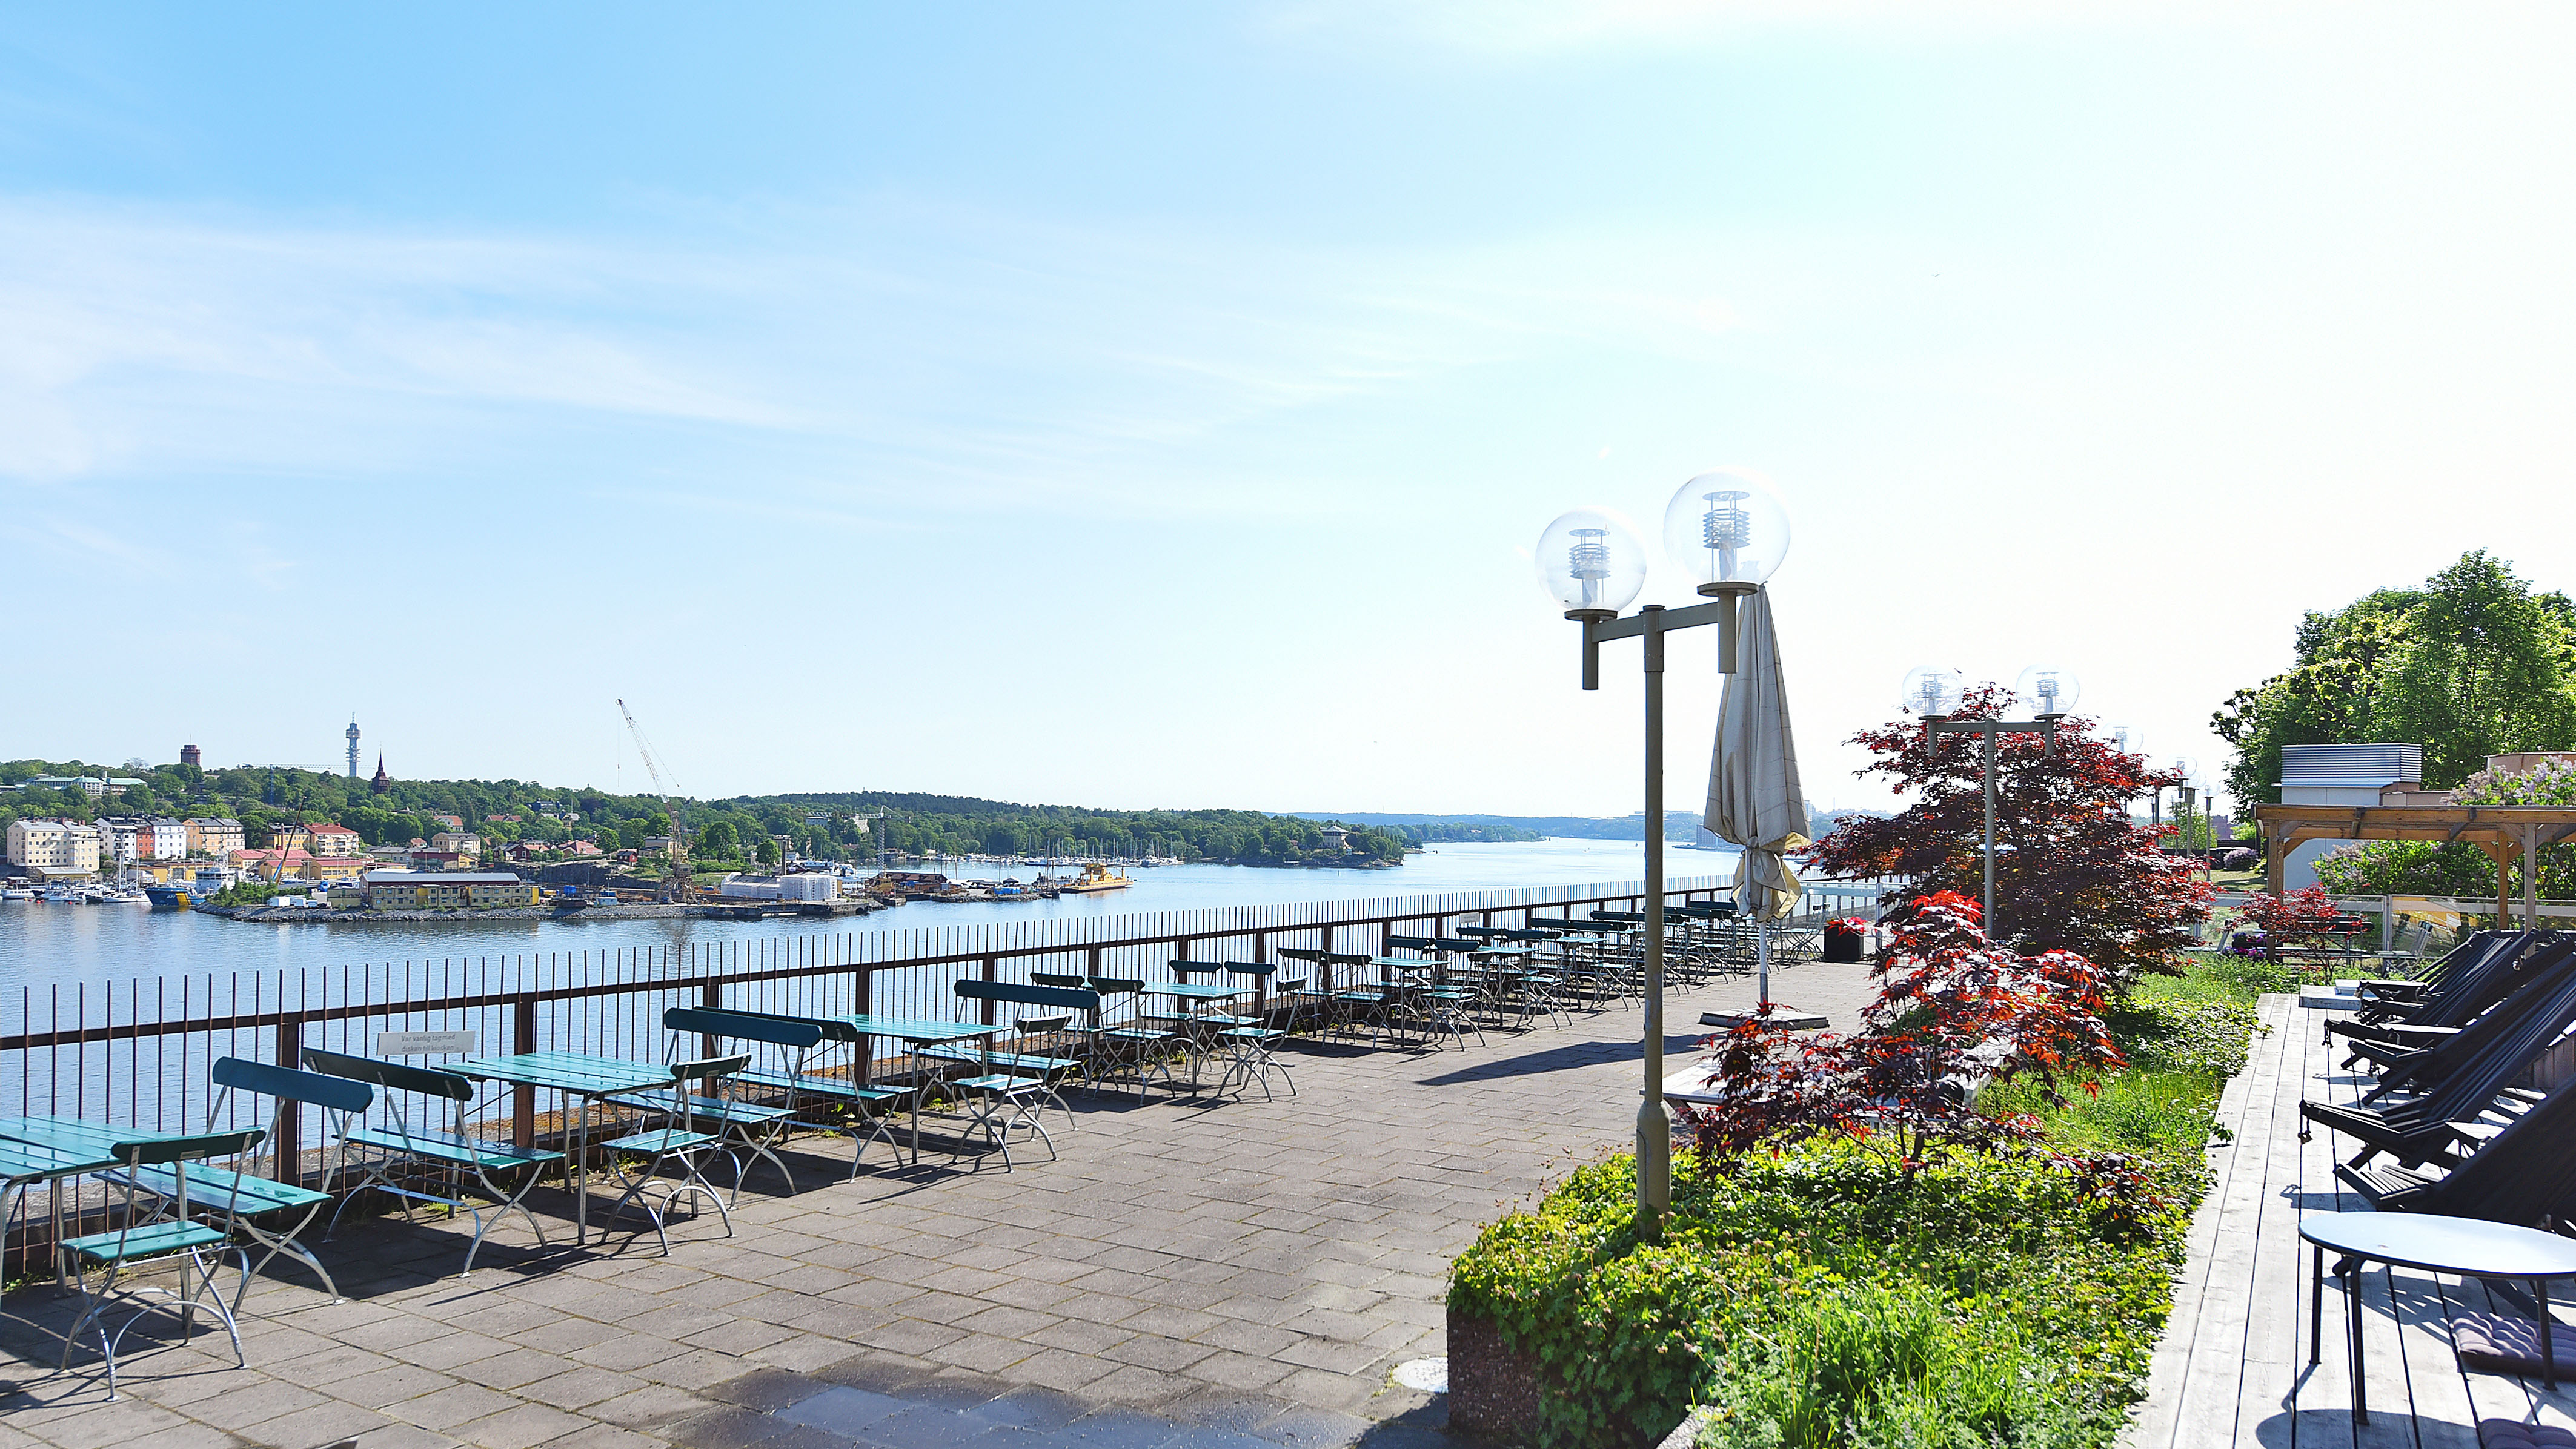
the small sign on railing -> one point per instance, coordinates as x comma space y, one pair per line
424, 1043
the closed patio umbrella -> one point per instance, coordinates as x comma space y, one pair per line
1754, 799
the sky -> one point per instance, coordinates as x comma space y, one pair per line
1157, 405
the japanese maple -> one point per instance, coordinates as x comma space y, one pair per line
1954, 1011
2072, 871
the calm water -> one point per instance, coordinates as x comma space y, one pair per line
42, 944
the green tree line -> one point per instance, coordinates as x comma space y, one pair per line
743, 828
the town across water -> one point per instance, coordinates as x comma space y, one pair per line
43, 945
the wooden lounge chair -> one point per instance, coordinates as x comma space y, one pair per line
2525, 1174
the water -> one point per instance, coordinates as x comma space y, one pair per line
45, 944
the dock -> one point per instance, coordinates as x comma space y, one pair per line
2232, 1368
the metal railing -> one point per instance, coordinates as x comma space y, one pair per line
136, 1053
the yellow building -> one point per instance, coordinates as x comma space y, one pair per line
446, 890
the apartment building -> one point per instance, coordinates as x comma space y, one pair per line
336, 842
116, 838
54, 847
218, 837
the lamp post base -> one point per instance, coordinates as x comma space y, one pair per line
1654, 1167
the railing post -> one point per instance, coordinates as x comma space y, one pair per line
711, 998
1260, 984
286, 1154
992, 972
1324, 968
860, 996
523, 1099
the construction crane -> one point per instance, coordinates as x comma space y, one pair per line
863, 821
661, 792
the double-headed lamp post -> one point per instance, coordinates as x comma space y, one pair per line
2047, 691
1729, 530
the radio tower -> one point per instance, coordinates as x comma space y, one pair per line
353, 747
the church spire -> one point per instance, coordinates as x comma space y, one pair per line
383, 782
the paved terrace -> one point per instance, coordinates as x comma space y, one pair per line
2233, 1369
1243, 1275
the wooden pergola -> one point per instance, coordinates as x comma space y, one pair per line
2502, 831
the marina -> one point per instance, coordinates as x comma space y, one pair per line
64, 943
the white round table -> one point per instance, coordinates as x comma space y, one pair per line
2469, 1247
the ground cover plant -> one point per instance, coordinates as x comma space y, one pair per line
1936, 1271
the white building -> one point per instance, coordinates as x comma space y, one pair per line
2339, 775
54, 847
117, 836
338, 842
465, 844
169, 840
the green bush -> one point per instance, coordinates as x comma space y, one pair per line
1827, 1296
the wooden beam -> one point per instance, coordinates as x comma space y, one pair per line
2273, 846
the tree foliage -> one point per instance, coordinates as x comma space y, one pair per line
2072, 873
2472, 664
1955, 1011
817, 825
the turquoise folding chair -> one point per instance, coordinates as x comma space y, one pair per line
410, 1153
748, 1127
681, 1141
162, 1228
267, 1202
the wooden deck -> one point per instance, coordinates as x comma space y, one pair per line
2232, 1369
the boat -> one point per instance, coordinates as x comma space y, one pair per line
1097, 878
168, 897
17, 893
59, 897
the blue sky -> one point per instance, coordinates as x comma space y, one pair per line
1155, 405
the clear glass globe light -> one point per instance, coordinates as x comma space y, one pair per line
2045, 689
1727, 526
1930, 689
1591, 559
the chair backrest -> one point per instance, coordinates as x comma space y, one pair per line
1344, 958
2521, 1175
162, 1151
1069, 998
1183, 968
176, 1153
1630, 917
1455, 943
1409, 943
709, 1068
1056, 978
1303, 953
286, 1084
393, 1076
784, 1031
1254, 969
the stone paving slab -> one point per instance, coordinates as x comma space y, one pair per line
1241, 1273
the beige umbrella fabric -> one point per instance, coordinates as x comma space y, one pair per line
1754, 799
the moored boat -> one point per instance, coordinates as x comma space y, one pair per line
168, 897
1097, 878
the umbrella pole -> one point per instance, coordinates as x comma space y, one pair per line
1762, 956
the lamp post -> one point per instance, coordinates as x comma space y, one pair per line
1729, 530
2047, 690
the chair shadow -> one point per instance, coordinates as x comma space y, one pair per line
1565, 1058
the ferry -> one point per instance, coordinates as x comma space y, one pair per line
1097, 878
18, 894
169, 897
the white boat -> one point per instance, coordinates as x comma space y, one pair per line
58, 896
17, 895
